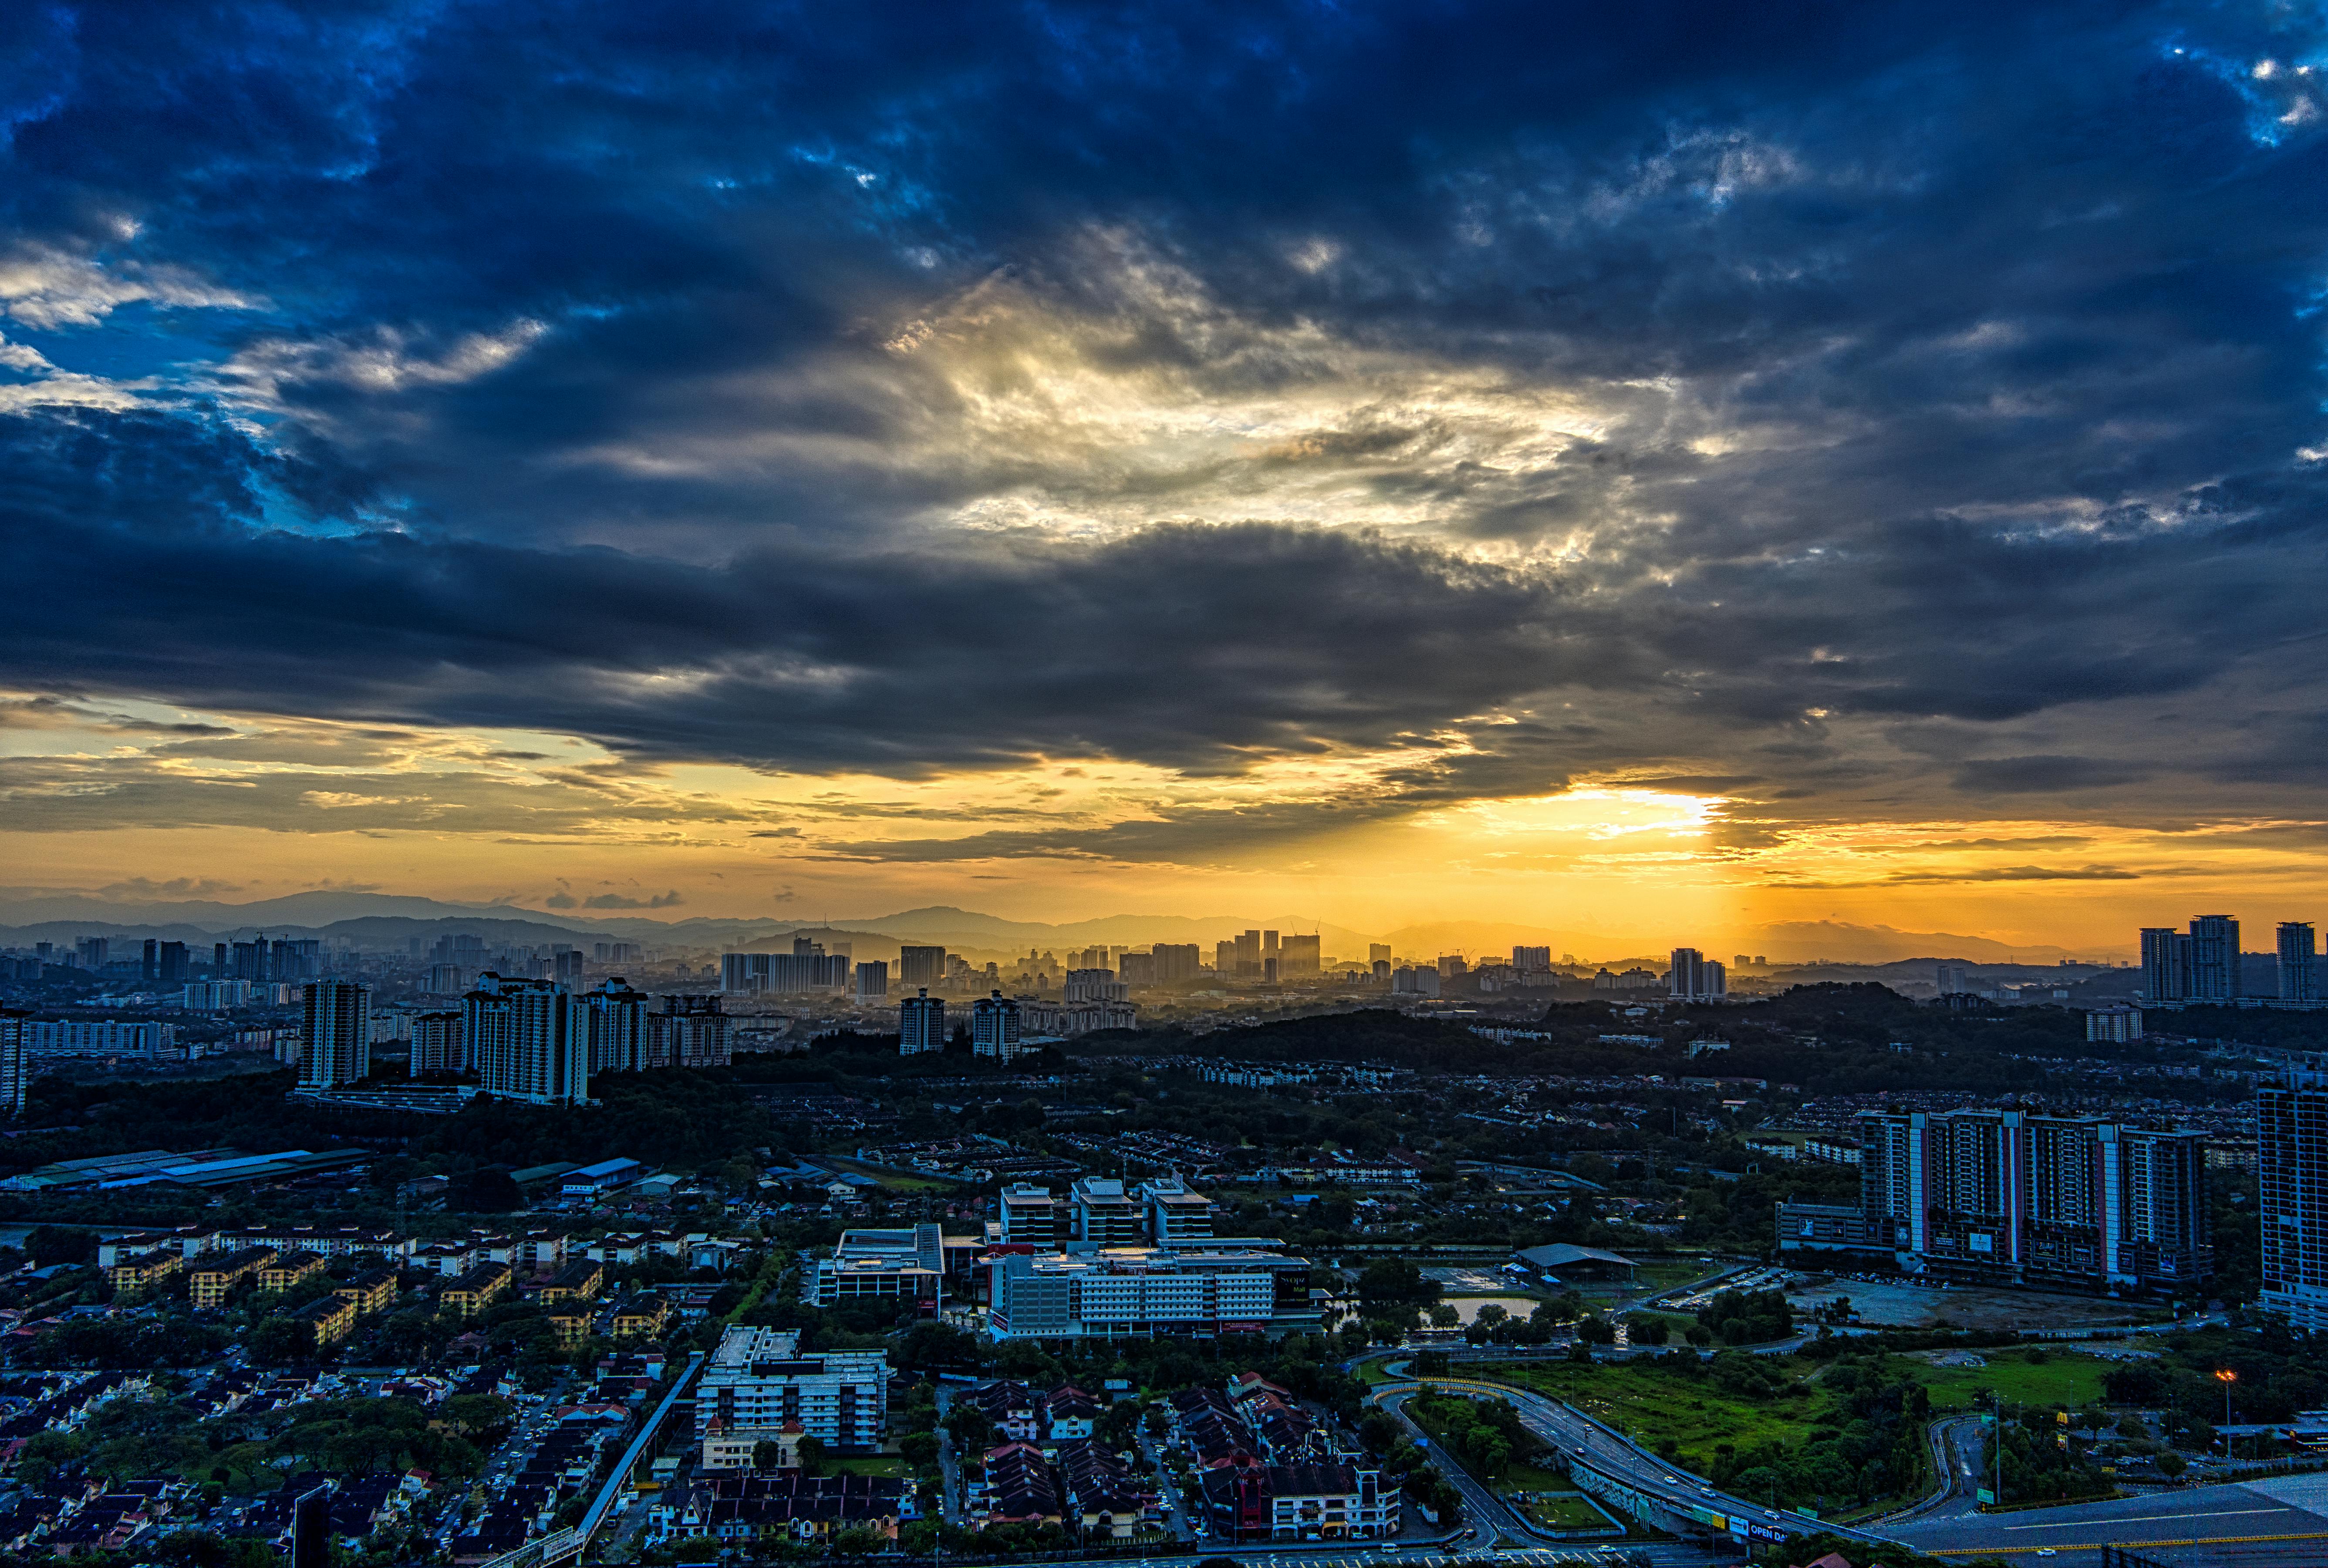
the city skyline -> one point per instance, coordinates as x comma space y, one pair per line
1612, 473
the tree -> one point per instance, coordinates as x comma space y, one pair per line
56, 1244
811, 1450
1648, 1329
767, 1455
485, 1190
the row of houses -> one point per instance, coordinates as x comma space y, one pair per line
1266, 1469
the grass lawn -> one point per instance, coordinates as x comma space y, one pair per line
1372, 1373
1565, 1511
883, 1464
2068, 1381
1651, 1404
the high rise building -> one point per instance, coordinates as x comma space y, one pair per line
2299, 963
759, 1381
1298, 955
94, 952
565, 966
2003, 1196
1953, 976
170, 965
2214, 958
994, 1026
436, 1044
1247, 966
690, 1031
919, 966
872, 981
1176, 962
1137, 969
1528, 960
1225, 959
15, 1058
528, 1039
921, 1024
1381, 970
1093, 985
334, 1034
2292, 1181
2165, 964
613, 1020
1696, 978
1377, 952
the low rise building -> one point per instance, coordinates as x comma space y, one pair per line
292, 1269
215, 1276
142, 1272
758, 1379
1144, 1292
474, 1290
372, 1291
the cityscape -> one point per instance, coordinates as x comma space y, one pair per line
1410, 783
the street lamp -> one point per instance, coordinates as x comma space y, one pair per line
2226, 1377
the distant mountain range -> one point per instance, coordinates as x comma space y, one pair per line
384, 919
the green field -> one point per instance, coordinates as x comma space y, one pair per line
1564, 1511
2067, 1381
1651, 1404
868, 1465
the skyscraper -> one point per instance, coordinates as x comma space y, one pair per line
1377, 952
2299, 963
1696, 978
2165, 964
2214, 958
994, 1026
528, 1041
1176, 962
921, 1024
2292, 1183
615, 1026
1998, 1195
15, 1054
1952, 978
690, 1031
920, 966
872, 981
436, 1044
334, 1034
1298, 954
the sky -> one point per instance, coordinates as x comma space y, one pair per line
1659, 468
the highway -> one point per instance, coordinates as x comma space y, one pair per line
1587, 1444
2272, 1523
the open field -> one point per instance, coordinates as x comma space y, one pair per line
1651, 1404
1564, 1511
2064, 1380
1903, 1304
868, 1465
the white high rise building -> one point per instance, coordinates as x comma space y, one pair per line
528, 1039
1696, 978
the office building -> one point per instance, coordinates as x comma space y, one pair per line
1176, 962
1105, 1215
759, 1381
1696, 978
2291, 1182
2007, 1196
872, 981
436, 1044
1177, 1214
690, 1031
918, 1263
1139, 1293
921, 1024
614, 1019
528, 1039
994, 1027
919, 966
334, 1034
2299, 963
1030, 1216
15, 1059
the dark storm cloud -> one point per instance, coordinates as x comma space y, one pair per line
625, 372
